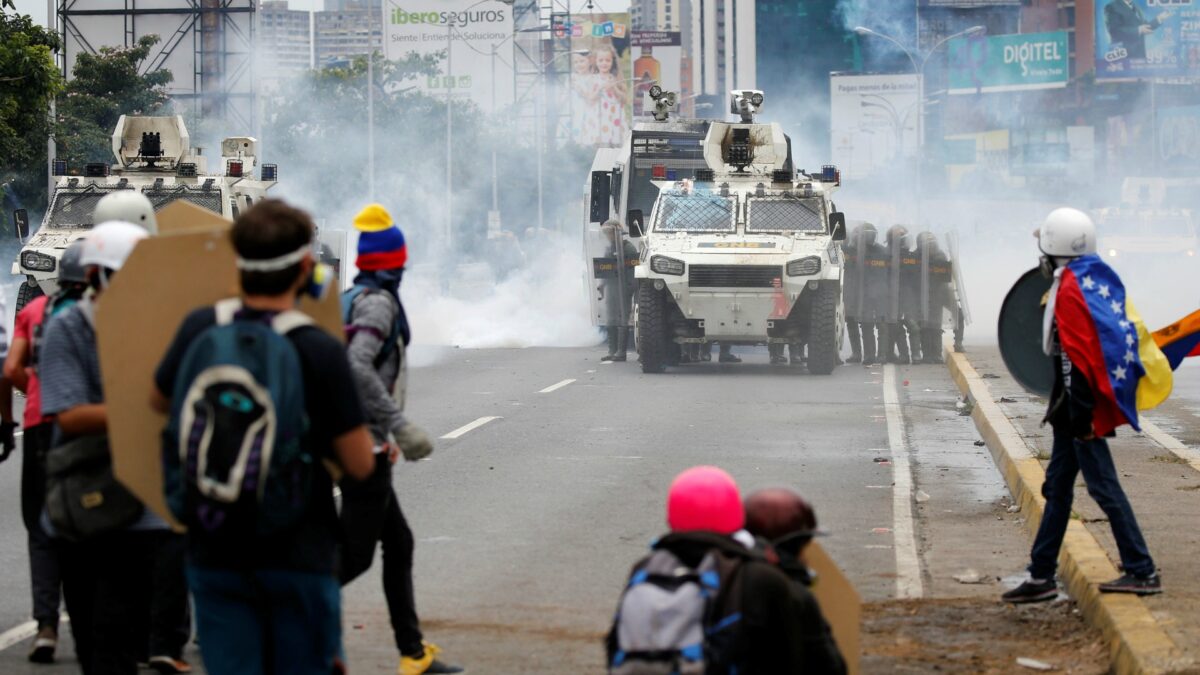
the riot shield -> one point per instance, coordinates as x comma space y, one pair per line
854, 284
901, 273
611, 265
331, 250
962, 309
1020, 333
936, 306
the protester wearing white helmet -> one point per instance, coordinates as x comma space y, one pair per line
1068, 237
111, 576
129, 206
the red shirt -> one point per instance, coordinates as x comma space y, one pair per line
28, 319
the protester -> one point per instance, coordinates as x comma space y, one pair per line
262, 562
1088, 402
20, 367
787, 523
107, 558
703, 600
378, 332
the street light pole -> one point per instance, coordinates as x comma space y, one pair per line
448, 83
371, 126
919, 71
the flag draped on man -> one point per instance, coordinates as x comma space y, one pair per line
1104, 337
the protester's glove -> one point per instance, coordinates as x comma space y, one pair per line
413, 442
7, 441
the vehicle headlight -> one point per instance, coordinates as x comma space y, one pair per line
664, 265
38, 262
804, 267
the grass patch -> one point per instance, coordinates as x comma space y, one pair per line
1168, 459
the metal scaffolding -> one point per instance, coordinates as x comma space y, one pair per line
208, 45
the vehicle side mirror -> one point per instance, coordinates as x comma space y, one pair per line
837, 225
601, 196
636, 223
21, 223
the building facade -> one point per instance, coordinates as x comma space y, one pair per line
341, 35
284, 40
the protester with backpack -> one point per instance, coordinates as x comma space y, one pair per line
704, 602
108, 539
262, 409
20, 367
377, 332
785, 523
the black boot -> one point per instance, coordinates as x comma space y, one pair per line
854, 332
621, 352
775, 350
614, 336
869, 355
932, 337
915, 337
900, 344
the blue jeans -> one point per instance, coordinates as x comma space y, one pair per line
267, 622
1068, 458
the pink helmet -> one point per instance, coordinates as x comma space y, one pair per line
704, 498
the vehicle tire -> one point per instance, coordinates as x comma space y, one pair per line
28, 293
652, 328
823, 330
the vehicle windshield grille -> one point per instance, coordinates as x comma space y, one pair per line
73, 207
734, 276
785, 214
206, 199
696, 212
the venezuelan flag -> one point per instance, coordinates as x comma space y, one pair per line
1180, 340
1106, 341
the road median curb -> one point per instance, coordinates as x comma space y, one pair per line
1137, 643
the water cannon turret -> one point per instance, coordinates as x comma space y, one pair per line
150, 142
745, 103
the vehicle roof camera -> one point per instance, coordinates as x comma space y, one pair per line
664, 102
745, 103
151, 147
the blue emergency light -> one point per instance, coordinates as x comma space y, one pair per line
270, 172
60, 167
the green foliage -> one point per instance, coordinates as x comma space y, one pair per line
28, 82
316, 130
103, 87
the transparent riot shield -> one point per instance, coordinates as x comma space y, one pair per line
612, 259
936, 306
854, 292
331, 250
898, 257
961, 307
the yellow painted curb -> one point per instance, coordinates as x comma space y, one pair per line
1137, 644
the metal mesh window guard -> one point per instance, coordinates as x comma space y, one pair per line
785, 214
696, 212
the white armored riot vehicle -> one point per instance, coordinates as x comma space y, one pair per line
154, 156
745, 253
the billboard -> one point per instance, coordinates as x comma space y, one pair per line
983, 64
1147, 38
873, 122
473, 35
658, 59
599, 92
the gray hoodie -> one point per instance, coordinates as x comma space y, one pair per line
373, 316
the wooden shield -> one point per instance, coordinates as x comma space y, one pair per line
189, 265
840, 604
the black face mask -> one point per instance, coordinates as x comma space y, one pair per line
1047, 266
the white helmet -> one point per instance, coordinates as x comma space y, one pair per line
1067, 233
128, 206
110, 243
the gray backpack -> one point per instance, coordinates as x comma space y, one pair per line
678, 620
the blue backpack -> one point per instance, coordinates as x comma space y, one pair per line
400, 330
236, 462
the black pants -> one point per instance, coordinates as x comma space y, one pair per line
371, 514
170, 622
45, 572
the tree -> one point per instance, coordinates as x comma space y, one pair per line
103, 87
28, 82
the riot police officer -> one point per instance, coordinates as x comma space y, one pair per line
936, 296
617, 291
874, 260
904, 332
853, 292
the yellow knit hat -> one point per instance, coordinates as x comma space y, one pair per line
373, 218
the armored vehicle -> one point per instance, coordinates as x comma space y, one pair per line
154, 156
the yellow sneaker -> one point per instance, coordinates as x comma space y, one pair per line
428, 664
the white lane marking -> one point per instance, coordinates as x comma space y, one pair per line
468, 428
21, 633
18, 434
606, 363
908, 563
1169, 442
555, 387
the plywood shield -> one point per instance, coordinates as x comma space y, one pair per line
164, 279
181, 217
839, 602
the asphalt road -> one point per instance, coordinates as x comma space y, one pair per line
553, 484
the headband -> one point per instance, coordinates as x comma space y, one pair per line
274, 264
